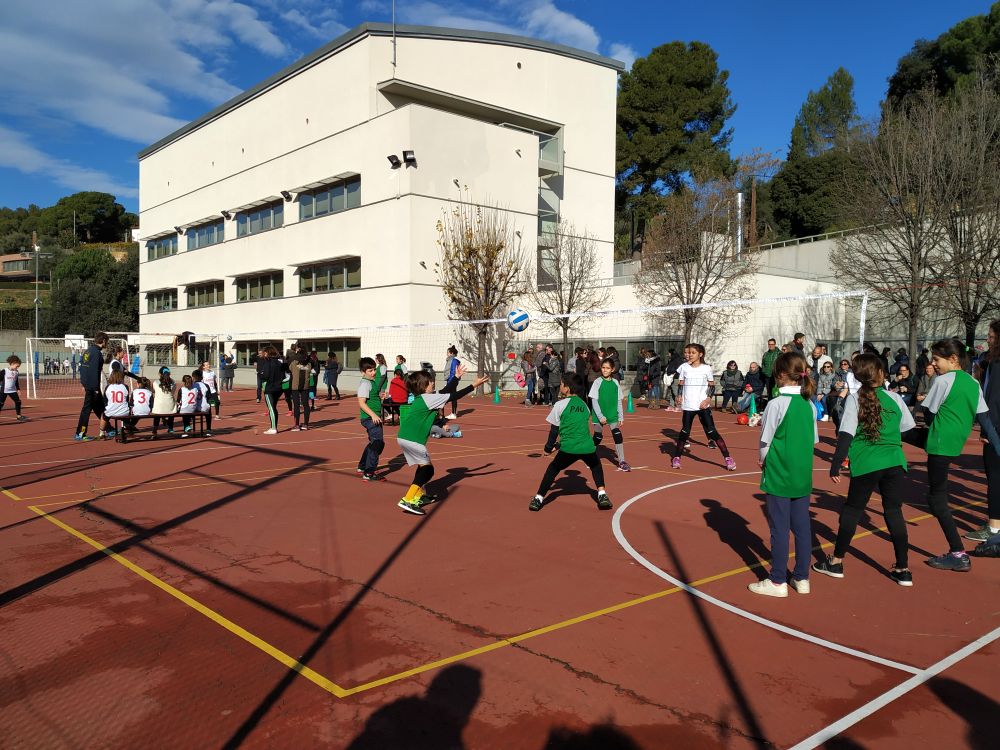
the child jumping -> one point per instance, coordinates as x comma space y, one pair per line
952, 404
415, 422
606, 401
871, 433
697, 384
11, 386
570, 424
788, 434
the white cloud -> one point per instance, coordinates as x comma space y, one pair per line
456, 16
17, 153
543, 19
623, 52
324, 25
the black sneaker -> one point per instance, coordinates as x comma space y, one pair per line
827, 568
603, 501
372, 477
959, 563
427, 500
902, 577
979, 535
536, 503
712, 445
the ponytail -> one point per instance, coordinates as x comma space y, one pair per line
791, 366
870, 372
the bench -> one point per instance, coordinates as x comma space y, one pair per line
121, 436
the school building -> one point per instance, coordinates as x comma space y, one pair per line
309, 202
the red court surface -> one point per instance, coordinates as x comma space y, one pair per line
251, 591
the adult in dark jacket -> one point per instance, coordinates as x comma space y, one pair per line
756, 380
654, 374
91, 367
331, 372
989, 367
904, 384
674, 360
299, 369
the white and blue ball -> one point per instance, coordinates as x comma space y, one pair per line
517, 320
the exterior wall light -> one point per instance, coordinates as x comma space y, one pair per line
409, 158
394, 161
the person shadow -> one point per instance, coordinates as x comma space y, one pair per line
434, 721
442, 485
978, 710
597, 737
572, 482
734, 530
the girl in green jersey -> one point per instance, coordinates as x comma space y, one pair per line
871, 429
606, 400
570, 423
952, 404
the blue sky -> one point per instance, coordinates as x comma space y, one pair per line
86, 84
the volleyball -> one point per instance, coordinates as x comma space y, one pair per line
517, 320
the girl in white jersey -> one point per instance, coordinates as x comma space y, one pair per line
205, 403
142, 401
164, 402
187, 398
697, 384
116, 400
209, 379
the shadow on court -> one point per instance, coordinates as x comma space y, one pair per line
734, 531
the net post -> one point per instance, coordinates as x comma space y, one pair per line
861, 323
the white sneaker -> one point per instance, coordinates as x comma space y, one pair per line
767, 587
801, 587
451, 416
270, 432
826, 418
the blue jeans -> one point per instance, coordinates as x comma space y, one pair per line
784, 515
529, 384
744, 403
369, 458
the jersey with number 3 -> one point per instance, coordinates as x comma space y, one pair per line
142, 401
117, 396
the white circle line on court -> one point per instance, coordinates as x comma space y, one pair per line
626, 545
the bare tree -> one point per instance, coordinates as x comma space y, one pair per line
893, 195
689, 258
967, 188
565, 280
480, 269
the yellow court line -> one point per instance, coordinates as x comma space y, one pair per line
211, 614
341, 692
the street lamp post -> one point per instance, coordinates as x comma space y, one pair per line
34, 246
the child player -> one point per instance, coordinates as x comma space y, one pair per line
370, 405
142, 401
606, 401
788, 434
415, 422
116, 400
697, 384
570, 423
11, 386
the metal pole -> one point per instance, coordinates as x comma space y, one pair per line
393, 38
34, 245
739, 225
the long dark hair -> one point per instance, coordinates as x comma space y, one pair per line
993, 353
948, 348
870, 372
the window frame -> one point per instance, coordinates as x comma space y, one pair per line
346, 191
252, 221
162, 247
155, 299
344, 268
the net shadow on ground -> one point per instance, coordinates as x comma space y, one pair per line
737, 691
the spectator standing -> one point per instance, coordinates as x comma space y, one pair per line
228, 373
331, 372
654, 376
91, 370
674, 360
767, 360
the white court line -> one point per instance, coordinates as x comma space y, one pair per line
623, 541
828, 733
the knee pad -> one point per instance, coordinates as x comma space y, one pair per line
617, 435
598, 437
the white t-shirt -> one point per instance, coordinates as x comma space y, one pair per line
142, 400
117, 397
853, 384
208, 378
188, 399
695, 388
9, 380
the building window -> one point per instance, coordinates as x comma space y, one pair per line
158, 354
330, 277
263, 286
161, 301
162, 247
205, 295
246, 352
348, 351
330, 199
206, 234
260, 219
16, 265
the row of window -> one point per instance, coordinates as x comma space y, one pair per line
16, 265
331, 198
328, 277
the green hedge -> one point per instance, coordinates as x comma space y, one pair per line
23, 285
17, 319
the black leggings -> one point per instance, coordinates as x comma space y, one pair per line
937, 498
890, 486
168, 420
452, 387
300, 402
563, 461
707, 423
13, 397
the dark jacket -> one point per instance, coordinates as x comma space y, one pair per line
654, 368
299, 368
755, 379
731, 380
91, 365
991, 390
673, 363
272, 373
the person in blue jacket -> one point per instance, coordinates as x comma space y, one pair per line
91, 367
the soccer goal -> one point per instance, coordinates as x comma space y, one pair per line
53, 366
